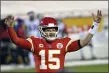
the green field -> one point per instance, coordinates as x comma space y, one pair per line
88, 68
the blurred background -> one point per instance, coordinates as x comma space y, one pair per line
74, 19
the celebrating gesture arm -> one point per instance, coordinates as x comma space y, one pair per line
77, 44
93, 29
13, 36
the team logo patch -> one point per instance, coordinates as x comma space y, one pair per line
59, 45
41, 45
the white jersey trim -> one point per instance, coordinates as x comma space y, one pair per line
30, 40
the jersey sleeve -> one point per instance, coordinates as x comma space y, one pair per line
18, 41
73, 45
34, 43
66, 40
31, 41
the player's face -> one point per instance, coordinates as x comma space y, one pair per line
51, 32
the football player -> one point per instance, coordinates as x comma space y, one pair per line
49, 51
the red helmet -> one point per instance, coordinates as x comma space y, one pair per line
48, 23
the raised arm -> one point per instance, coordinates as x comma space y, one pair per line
13, 36
93, 29
77, 44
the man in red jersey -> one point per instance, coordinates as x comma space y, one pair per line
49, 51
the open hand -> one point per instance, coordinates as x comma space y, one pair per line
9, 20
98, 17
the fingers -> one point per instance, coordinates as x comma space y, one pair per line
93, 16
98, 17
99, 14
9, 20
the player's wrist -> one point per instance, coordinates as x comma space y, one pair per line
94, 28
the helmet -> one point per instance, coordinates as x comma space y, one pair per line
48, 23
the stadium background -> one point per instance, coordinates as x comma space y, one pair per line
77, 13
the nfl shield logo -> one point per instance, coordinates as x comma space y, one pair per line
59, 45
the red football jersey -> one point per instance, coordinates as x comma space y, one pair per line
49, 56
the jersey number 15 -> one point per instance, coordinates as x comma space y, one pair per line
50, 59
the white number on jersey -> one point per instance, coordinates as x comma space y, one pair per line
50, 59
